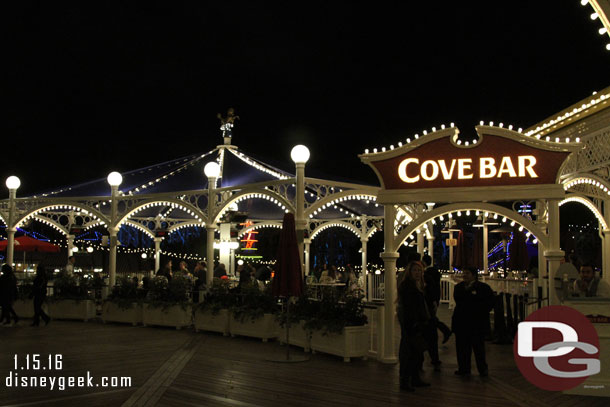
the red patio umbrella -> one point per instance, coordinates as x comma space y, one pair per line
29, 244
288, 279
519, 259
460, 258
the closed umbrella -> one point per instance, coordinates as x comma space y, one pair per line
288, 279
477, 249
519, 258
460, 258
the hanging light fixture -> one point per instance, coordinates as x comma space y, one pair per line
479, 222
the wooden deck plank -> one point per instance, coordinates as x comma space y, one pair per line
182, 368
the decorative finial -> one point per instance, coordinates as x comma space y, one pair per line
226, 123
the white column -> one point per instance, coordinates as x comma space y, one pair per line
157, 241
389, 256
420, 241
364, 242
307, 243
210, 253
70, 242
553, 254
606, 243
300, 221
431, 247
485, 247
113, 235
224, 253
11, 229
450, 253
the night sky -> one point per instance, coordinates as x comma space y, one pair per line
99, 86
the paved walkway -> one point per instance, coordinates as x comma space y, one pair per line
183, 368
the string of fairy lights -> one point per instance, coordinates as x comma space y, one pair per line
491, 124
595, 16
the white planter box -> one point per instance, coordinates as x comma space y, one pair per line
24, 308
172, 316
264, 328
352, 342
72, 309
298, 336
206, 321
111, 312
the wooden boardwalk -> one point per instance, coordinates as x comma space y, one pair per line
183, 368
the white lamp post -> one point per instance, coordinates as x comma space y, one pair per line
12, 183
114, 179
212, 171
300, 155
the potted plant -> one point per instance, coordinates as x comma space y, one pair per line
167, 303
212, 314
124, 304
339, 327
23, 305
253, 313
71, 298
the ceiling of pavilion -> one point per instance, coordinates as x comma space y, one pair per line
238, 169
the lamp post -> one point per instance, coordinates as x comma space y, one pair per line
12, 183
114, 179
300, 155
212, 171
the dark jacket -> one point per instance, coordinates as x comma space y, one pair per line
432, 292
413, 314
8, 288
472, 306
39, 288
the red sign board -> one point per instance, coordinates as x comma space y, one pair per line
494, 161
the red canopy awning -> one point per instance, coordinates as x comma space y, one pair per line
29, 244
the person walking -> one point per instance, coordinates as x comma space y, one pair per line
413, 316
39, 293
470, 322
8, 295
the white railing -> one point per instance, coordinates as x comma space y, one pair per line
375, 288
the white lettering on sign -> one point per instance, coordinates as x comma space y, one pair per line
430, 170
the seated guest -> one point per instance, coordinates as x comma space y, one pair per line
329, 276
588, 285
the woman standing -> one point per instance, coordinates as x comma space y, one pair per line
413, 317
39, 293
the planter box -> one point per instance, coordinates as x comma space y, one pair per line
172, 316
206, 321
352, 342
111, 312
264, 328
71, 309
24, 308
298, 336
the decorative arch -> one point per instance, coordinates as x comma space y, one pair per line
371, 232
270, 224
339, 223
174, 203
339, 197
473, 206
2, 219
95, 214
586, 202
52, 224
179, 226
261, 194
587, 178
140, 228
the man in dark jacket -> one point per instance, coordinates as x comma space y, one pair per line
8, 294
470, 323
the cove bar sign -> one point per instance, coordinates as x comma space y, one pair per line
430, 169
498, 160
